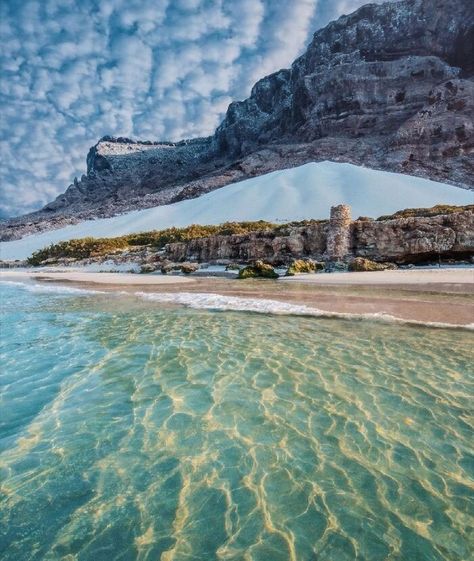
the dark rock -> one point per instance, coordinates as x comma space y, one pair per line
148, 268
188, 268
168, 266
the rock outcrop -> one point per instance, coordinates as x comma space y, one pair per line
406, 237
390, 86
258, 270
415, 239
401, 240
360, 264
279, 247
298, 266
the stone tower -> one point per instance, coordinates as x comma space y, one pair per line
339, 233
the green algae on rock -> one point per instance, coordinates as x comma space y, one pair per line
258, 270
359, 264
304, 266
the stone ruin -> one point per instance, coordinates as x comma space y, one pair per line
338, 246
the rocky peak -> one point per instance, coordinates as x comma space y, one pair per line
382, 58
390, 86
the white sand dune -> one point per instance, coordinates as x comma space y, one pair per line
299, 193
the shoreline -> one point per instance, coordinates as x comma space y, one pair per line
444, 296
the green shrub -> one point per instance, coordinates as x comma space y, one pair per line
426, 212
95, 247
79, 249
284, 229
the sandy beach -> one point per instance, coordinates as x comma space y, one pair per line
423, 295
403, 277
127, 279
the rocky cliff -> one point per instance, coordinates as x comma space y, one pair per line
399, 239
390, 86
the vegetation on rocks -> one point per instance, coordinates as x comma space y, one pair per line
306, 237
258, 270
425, 212
304, 266
84, 248
79, 249
360, 264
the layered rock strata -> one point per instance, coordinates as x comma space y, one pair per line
389, 86
401, 240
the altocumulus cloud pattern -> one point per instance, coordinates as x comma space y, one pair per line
75, 70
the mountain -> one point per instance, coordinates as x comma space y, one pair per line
390, 86
300, 193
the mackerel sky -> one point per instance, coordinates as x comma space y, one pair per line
75, 70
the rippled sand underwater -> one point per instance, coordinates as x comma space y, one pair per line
134, 431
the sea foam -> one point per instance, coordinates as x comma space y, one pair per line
202, 300
213, 301
52, 288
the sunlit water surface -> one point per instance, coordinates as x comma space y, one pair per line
134, 431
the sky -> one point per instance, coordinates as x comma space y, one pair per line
73, 71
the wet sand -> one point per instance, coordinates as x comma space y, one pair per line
427, 296
95, 278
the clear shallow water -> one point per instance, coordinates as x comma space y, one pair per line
131, 430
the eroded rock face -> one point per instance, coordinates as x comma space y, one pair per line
415, 239
120, 171
389, 86
242, 248
402, 240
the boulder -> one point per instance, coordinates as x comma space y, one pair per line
148, 268
304, 266
258, 270
360, 264
188, 268
167, 267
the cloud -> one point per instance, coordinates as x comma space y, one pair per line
75, 70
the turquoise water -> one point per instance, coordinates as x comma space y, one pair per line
134, 430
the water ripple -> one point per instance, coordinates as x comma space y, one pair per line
132, 431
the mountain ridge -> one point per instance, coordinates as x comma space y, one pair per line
389, 86
305, 192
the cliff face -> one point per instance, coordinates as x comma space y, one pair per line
401, 240
415, 239
390, 86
